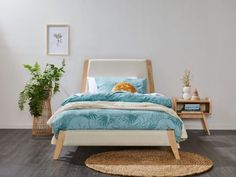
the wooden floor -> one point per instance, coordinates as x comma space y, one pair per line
24, 156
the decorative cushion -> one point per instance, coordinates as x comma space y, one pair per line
124, 86
106, 84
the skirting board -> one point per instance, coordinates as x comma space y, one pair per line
19, 126
198, 126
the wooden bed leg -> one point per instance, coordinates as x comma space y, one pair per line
59, 145
173, 144
204, 124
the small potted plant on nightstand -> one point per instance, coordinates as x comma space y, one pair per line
186, 85
37, 93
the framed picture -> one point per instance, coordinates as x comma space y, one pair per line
57, 40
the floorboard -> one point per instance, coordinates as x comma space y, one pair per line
24, 156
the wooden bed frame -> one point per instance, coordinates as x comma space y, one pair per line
117, 137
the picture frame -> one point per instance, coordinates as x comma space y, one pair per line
57, 42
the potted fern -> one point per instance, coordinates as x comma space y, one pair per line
37, 94
186, 85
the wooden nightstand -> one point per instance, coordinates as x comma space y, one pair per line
205, 110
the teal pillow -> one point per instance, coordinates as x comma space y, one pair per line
105, 84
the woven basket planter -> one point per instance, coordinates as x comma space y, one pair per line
40, 127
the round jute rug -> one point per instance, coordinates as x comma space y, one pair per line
148, 162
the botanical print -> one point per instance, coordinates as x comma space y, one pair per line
58, 36
57, 39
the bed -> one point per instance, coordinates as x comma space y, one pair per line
77, 136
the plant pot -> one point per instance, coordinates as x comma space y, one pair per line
186, 93
40, 127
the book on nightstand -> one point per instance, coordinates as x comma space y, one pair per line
191, 107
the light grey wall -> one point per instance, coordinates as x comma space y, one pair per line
195, 34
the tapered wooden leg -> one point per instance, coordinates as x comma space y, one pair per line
173, 144
204, 124
59, 145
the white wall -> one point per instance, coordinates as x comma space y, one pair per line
195, 34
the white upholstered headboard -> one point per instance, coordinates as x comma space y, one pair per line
141, 68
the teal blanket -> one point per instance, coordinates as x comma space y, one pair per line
113, 119
121, 96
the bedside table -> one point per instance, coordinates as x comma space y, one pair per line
205, 110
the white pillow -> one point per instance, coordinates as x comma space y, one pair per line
92, 86
156, 94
